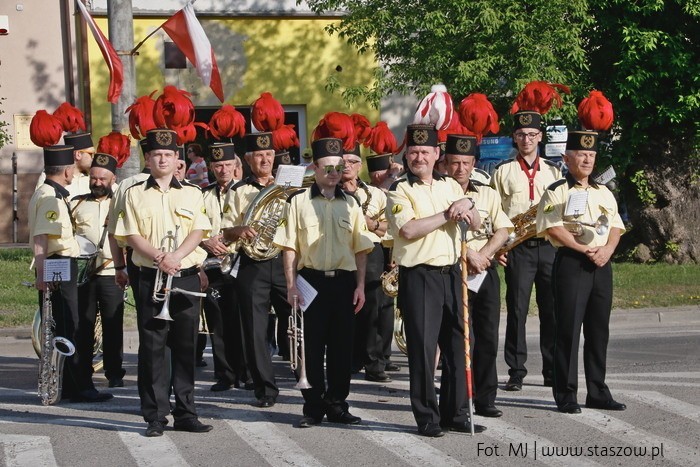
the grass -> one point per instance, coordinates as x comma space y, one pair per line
635, 286
18, 303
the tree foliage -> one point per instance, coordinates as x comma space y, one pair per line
488, 46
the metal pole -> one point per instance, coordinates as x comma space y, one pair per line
121, 35
15, 210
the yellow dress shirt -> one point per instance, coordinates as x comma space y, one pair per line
488, 203
512, 184
89, 215
48, 214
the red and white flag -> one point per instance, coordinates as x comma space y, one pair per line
114, 63
189, 36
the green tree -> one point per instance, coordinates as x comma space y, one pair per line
488, 46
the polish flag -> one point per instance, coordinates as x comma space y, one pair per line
114, 63
187, 33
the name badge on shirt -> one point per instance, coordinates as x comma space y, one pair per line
184, 213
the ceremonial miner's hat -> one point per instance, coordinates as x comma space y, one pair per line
258, 142
56, 156
162, 138
527, 119
582, 141
377, 162
222, 152
104, 161
143, 144
79, 141
355, 150
282, 158
327, 147
421, 135
461, 145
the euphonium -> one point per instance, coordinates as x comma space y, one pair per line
297, 354
265, 214
54, 350
525, 229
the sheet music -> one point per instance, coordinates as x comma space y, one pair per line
290, 174
236, 266
56, 270
308, 293
474, 281
607, 175
576, 204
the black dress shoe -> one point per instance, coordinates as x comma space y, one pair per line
308, 422
515, 383
91, 395
488, 411
346, 418
116, 383
548, 382
380, 377
192, 425
201, 363
464, 427
155, 428
570, 408
392, 367
220, 386
431, 430
609, 404
266, 402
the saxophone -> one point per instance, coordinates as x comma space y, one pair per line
54, 350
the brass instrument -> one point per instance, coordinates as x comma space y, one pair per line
390, 282
399, 331
54, 350
161, 293
525, 229
601, 226
265, 215
224, 263
297, 353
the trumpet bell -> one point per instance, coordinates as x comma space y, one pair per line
602, 225
164, 313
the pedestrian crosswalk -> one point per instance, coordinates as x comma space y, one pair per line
660, 426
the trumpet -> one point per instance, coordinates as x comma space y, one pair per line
297, 354
601, 226
162, 293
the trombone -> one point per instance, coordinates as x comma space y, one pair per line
297, 354
161, 293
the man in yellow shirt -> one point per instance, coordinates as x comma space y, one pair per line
324, 241
581, 219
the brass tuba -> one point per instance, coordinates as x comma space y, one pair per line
525, 229
265, 214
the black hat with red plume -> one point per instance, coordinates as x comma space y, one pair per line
534, 101
595, 113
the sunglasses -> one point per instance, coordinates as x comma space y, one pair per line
330, 168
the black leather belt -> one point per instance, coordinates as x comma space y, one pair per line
326, 274
534, 242
191, 271
438, 269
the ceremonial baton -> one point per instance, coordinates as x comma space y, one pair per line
464, 227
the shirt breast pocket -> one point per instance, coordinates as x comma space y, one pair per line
185, 218
345, 229
310, 226
145, 223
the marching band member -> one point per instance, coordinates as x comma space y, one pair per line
423, 211
484, 305
324, 241
221, 305
582, 264
83, 152
259, 282
152, 209
520, 183
91, 212
52, 235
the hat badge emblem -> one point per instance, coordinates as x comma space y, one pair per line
286, 159
464, 145
102, 160
217, 153
263, 142
333, 146
587, 141
420, 137
525, 119
164, 138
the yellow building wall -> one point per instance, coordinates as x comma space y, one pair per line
291, 58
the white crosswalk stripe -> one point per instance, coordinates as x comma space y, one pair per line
24, 450
152, 452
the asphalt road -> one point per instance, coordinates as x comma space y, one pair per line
653, 367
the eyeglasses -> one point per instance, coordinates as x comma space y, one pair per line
330, 168
89, 152
530, 136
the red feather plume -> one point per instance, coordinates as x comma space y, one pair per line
173, 109
227, 122
539, 96
116, 145
455, 128
188, 133
71, 117
381, 139
141, 116
477, 114
45, 130
336, 125
362, 128
284, 138
267, 113
595, 112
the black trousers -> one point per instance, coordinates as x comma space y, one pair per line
102, 294
528, 263
64, 305
328, 332
261, 284
369, 345
386, 313
155, 335
224, 323
433, 315
583, 297
485, 314
133, 272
